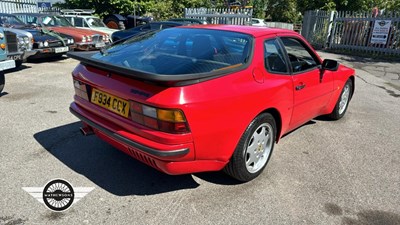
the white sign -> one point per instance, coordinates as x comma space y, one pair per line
380, 32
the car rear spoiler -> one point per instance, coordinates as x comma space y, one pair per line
173, 80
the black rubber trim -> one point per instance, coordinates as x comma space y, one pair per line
179, 152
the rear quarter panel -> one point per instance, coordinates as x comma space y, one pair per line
220, 110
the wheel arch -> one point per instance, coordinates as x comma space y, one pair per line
278, 120
353, 82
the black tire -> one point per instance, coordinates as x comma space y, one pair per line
239, 165
18, 63
343, 102
2, 81
114, 23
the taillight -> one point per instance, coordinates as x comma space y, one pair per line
166, 120
80, 89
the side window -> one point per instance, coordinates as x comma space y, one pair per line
78, 22
301, 58
70, 20
84, 23
274, 58
145, 27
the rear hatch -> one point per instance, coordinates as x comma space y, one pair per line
138, 84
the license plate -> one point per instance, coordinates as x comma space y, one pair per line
15, 57
110, 102
61, 49
100, 44
8, 64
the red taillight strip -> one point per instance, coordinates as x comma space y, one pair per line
157, 119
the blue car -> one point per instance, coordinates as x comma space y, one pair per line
123, 34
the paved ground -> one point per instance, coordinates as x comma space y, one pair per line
384, 69
345, 172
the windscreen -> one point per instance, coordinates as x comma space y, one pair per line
180, 51
6, 21
55, 21
95, 22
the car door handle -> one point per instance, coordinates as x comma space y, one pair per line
300, 86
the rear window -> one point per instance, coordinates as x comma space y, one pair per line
179, 51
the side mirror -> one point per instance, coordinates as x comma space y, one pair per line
329, 64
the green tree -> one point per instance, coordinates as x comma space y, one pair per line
159, 9
282, 11
259, 9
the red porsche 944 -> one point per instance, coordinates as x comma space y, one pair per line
207, 97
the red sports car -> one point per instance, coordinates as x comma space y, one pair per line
206, 98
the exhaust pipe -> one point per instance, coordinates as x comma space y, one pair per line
86, 131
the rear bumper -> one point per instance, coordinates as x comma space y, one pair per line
21, 55
85, 46
171, 159
128, 142
52, 51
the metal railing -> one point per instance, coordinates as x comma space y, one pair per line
20, 6
221, 16
353, 31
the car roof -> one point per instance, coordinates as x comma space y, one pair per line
35, 14
168, 22
82, 16
250, 30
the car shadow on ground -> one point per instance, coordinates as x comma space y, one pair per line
16, 69
48, 59
107, 167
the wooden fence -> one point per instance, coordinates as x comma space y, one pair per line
353, 31
221, 16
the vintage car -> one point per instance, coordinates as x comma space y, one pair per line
123, 34
208, 97
84, 39
84, 19
5, 63
122, 22
46, 43
20, 48
19, 44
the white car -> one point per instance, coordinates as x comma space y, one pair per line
258, 22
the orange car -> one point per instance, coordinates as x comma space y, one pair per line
84, 39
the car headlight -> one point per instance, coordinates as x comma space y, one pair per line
83, 38
45, 44
72, 41
89, 38
40, 44
21, 40
26, 40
